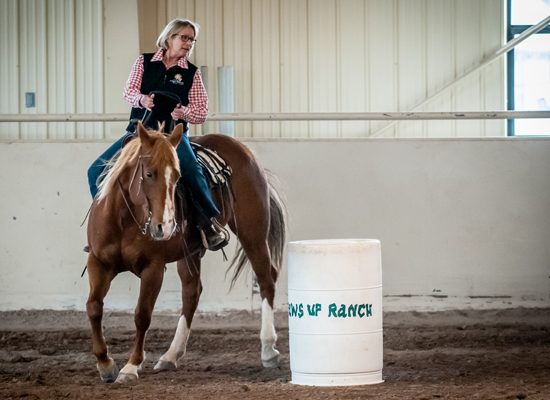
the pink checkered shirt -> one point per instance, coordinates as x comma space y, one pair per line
194, 113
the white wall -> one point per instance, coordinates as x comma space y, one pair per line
463, 222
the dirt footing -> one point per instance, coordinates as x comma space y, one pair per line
493, 354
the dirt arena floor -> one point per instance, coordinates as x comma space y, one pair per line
501, 354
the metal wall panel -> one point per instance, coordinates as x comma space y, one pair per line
61, 67
322, 68
89, 65
294, 65
440, 59
351, 53
411, 74
54, 50
288, 55
493, 76
237, 45
468, 55
349, 56
209, 51
382, 67
9, 67
265, 65
33, 74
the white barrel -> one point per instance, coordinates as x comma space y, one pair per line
335, 312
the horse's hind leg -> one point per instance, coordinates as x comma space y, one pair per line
100, 281
151, 282
259, 256
189, 272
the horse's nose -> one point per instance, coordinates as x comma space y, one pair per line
159, 230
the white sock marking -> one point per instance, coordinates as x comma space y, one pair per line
177, 348
129, 369
267, 334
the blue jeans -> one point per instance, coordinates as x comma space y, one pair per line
191, 173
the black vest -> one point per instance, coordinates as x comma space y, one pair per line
156, 77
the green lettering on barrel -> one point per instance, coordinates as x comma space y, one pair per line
369, 310
317, 309
294, 310
301, 312
342, 311
352, 308
289, 308
311, 310
361, 315
332, 309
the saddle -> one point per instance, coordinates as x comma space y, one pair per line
215, 168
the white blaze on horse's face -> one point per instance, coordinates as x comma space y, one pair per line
161, 201
168, 218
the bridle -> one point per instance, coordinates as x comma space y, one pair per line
139, 165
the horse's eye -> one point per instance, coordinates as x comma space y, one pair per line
150, 175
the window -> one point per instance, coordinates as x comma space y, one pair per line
528, 67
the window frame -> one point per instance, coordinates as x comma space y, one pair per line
511, 31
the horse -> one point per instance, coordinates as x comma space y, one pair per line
138, 195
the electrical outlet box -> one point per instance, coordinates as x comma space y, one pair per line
29, 99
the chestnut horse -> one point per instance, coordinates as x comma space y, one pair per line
133, 227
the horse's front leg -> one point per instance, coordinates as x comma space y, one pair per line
189, 272
151, 282
100, 281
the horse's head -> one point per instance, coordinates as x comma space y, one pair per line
160, 173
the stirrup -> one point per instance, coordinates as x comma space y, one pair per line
218, 240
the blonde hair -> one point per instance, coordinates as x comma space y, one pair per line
162, 154
173, 28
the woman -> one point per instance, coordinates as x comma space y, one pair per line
168, 70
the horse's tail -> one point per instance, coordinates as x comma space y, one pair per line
277, 231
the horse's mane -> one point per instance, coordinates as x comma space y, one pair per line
163, 154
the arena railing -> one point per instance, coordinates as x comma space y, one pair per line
321, 116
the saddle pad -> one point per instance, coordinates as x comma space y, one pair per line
214, 167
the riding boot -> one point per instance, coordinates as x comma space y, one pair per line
214, 235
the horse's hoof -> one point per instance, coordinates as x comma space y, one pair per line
271, 363
128, 374
126, 378
165, 365
109, 376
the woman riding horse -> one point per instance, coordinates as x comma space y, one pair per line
136, 223
169, 70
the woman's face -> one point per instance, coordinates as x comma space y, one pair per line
177, 46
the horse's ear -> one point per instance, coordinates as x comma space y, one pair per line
177, 134
146, 142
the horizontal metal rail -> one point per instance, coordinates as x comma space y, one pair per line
342, 116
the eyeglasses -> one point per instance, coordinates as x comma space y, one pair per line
185, 38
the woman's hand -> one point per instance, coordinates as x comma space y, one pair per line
177, 114
148, 101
